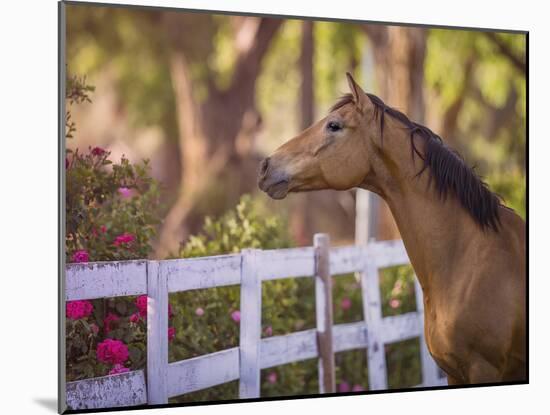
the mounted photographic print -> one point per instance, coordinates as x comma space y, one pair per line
260, 206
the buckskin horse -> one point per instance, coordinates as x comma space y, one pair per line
466, 247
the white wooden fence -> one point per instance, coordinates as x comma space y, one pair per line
159, 278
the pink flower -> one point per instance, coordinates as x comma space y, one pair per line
118, 368
199, 311
95, 328
111, 318
272, 377
394, 303
81, 256
141, 303
112, 351
103, 229
98, 151
171, 333
344, 387
125, 238
345, 304
236, 316
134, 318
79, 309
268, 331
125, 192
357, 388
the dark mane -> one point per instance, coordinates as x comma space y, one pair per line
445, 166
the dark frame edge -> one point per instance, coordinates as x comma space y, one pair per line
61, 42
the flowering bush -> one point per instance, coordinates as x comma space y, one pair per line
113, 352
118, 368
112, 210
102, 223
210, 317
79, 309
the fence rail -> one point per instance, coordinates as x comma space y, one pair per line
248, 269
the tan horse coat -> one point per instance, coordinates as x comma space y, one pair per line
467, 250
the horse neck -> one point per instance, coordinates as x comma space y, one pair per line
435, 231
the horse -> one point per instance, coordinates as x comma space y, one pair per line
466, 247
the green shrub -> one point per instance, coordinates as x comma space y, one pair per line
111, 214
111, 209
288, 305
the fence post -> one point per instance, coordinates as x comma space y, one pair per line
372, 309
157, 334
323, 311
251, 325
430, 370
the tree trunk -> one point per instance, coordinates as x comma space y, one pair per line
399, 54
218, 130
300, 218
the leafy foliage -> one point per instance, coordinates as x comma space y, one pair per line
112, 210
111, 213
106, 200
287, 306
77, 91
245, 227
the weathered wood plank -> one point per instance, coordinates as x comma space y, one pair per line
387, 253
294, 347
122, 390
346, 259
251, 325
285, 263
350, 336
157, 334
323, 311
203, 372
401, 327
373, 315
105, 279
199, 273
221, 367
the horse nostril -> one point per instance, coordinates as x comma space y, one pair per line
264, 166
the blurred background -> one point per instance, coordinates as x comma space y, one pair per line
205, 97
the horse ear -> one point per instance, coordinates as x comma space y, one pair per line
359, 96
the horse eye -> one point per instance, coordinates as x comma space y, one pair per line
333, 126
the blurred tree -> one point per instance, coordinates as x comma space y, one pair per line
204, 80
399, 54
306, 69
302, 224
216, 122
196, 74
477, 89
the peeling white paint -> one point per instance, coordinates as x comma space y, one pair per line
125, 389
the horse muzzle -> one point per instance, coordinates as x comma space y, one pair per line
273, 181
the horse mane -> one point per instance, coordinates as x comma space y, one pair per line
446, 166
